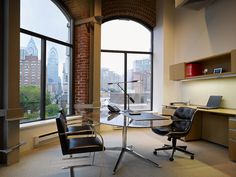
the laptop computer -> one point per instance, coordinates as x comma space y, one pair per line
212, 103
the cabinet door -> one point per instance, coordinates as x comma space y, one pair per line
232, 138
233, 61
215, 128
232, 149
177, 72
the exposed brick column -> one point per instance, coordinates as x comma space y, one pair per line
81, 64
143, 11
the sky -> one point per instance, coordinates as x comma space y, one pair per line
123, 35
44, 17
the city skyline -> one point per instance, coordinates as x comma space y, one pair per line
30, 69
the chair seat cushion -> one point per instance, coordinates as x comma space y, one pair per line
163, 130
80, 129
84, 144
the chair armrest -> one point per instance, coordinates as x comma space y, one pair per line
95, 133
94, 123
166, 115
180, 120
175, 133
76, 132
89, 121
100, 136
74, 123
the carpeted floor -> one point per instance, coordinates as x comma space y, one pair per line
46, 161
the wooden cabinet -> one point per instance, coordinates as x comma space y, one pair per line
225, 61
215, 128
232, 138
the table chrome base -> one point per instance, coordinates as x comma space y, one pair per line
117, 148
123, 150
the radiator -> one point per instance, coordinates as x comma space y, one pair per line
45, 138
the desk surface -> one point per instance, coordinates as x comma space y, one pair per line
219, 111
143, 120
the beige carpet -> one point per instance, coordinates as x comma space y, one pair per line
46, 161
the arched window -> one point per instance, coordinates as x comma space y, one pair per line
126, 56
45, 59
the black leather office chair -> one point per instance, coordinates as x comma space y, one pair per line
181, 124
78, 128
83, 144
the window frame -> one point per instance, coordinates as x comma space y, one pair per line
125, 53
44, 39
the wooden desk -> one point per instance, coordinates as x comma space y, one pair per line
214, 125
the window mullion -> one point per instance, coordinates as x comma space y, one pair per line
43, 79
125, 80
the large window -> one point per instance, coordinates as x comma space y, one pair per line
45, 60
126, 57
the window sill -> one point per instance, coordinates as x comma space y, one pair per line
43, 122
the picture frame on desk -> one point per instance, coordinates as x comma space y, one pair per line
217, 71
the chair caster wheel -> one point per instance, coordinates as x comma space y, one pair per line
155, 152
171, 159
192, 157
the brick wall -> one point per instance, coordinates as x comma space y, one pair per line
81, 64
143, 11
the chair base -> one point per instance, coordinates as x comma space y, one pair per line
72, 174
174, 148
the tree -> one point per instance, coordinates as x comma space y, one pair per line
51, 110
30, 98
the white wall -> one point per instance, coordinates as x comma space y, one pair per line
31, 130
198, 34
163, 44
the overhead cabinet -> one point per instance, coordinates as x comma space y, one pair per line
223, 65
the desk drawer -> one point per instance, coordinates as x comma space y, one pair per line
232, 123
232, 149
232, 133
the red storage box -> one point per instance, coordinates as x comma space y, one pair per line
193, 69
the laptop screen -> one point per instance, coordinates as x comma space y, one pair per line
214, 101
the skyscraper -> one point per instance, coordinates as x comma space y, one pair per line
52, 67
29, 65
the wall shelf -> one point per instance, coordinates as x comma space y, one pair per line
226, 61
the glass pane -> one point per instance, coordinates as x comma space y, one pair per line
57, 79
139, 68
125, 35
44, 17
30, 72
112, 70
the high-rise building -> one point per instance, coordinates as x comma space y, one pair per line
142, 72
53, 79
29, 65
52, 67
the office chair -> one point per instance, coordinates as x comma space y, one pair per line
84, 144
181, 124
76, 128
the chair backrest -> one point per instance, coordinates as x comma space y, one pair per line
62, 129
63, 114
184, 117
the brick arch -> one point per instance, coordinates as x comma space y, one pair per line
142, 11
